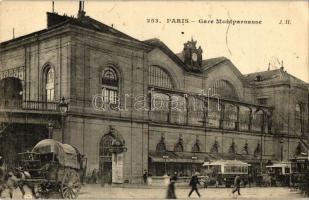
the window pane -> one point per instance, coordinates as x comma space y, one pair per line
158, 77
49, 85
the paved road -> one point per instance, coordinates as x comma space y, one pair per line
95, 191
139, 192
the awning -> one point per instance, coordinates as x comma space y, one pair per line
176, 157
190, 157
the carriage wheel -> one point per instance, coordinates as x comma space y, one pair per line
70, 185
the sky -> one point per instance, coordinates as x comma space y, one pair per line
250, 47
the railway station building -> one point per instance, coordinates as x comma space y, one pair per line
132, 105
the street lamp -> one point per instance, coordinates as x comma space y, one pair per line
63, 106
193, 159
50, 129
281, 149
165, 158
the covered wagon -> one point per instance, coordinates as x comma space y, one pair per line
53, 167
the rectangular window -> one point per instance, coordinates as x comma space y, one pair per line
262, 101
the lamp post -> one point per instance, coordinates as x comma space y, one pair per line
50, 129
165, 158
281, 149
63, 106
193, 159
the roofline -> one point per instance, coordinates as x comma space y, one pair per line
59, 29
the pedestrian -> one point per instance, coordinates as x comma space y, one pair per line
249, 179
83, 167
237, 181
145, 176
193, 183
174, 177
171, 190
206, 180
94, 176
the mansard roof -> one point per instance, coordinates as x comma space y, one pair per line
178, 58
273, 77
90, 23
55, 20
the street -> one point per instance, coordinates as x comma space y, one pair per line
142, 192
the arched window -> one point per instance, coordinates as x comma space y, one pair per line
215, 147
161, 147
159, 77
298, 119
196, 148
110, 86
230, 116
223, 89
178, 147
50, 84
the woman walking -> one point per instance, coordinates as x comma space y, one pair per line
171, 190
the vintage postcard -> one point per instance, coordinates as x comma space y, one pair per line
154, 99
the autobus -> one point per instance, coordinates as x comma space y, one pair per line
224, 171
280, 173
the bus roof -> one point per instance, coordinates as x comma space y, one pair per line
279, 165
226, 162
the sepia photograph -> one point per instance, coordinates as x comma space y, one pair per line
154, 99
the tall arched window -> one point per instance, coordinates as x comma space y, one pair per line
110, 86
160, 102
223, 89
159, 77
50, 84
298, 119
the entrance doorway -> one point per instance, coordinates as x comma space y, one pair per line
11, 91
106, 159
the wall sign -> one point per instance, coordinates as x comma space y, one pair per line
17, 72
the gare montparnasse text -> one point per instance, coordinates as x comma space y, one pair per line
204, 21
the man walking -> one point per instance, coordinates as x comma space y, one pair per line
236, 185
193, 183
145, 176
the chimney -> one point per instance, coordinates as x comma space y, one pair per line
53, 19
81, 13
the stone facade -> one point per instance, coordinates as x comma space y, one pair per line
79, 51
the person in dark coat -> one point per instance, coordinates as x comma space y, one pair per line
174, 177
145, 176
83, 167
171, 190
193, 183
236, 185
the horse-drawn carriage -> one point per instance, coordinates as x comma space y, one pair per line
53, 167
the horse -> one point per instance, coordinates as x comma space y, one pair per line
12, 179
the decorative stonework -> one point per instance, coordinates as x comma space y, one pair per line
161, 147
179, 145
17, 72
298, 149
193, 55
257, 150
246, 148
233, 147
196, 147
215, 147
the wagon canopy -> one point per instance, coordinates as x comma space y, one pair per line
66, 155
